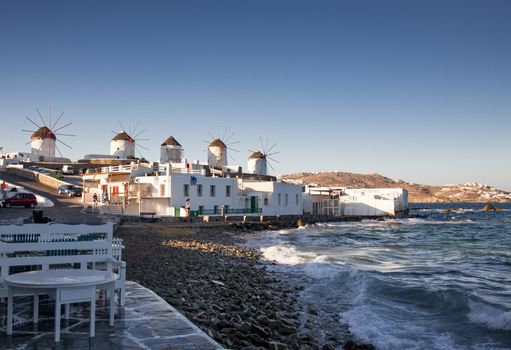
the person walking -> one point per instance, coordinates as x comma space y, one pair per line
95, 199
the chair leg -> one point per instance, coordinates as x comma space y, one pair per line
57, 317
36, 309
67, 308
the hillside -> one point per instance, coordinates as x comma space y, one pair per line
418, 193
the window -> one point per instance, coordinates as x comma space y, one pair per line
297, 199
279, 199
162, 190
215, 208
227, 191
199, 190
286, 200
212, 190
201, 209
226, 209
266, 201
186, 190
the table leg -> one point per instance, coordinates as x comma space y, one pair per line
9, 310
92, 316
112, 305
57, 316
36, 308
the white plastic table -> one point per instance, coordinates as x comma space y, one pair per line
66, 287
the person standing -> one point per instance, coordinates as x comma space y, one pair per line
187, 207
95, 199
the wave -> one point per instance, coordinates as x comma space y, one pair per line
489, 316
287, 255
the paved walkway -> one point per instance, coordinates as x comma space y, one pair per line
146, 322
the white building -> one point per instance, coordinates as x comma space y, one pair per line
42, 142
371, 202
164, 190
122, 146
217, 154
171, 151
257, 164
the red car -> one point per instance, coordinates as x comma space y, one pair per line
27, 200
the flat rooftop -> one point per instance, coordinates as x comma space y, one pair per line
146, 322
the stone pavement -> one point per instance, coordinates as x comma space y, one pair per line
146, 322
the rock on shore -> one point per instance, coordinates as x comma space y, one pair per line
219, 285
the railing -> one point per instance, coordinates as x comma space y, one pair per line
230, 211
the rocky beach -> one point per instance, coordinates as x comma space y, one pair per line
221, 286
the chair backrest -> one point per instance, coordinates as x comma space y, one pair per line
39, 246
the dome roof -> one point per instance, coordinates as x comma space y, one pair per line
171, 141
43, 133
257, 155
217, 143
122, 136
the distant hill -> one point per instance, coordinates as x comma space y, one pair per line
470, 192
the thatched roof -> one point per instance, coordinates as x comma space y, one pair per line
43, 133
171, 141
257, 155
122, 136
217, 143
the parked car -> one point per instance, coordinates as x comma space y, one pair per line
27, 200
70, 190
68, 169
55, 173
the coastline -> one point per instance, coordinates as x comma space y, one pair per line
224, 288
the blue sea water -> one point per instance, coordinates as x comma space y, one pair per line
429, 281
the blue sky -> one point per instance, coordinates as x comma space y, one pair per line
414, 90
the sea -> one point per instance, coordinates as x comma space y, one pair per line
432, 280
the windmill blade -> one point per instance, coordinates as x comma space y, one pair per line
227, 139
232, 158
261, 142
136, 127
142, 139
272, 154
33, 122
59, 134
62, 127
208, 142
65, 144
272, 168
140, 154
50, 117
28, 142
273, 159
57, 147
233, 149
147, 149
252, 151
122, 127
269, 150
28, 130
231, 143
55, 124
266, 147
212, 137
139, 133
40, 115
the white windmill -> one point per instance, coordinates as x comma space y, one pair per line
124, 146
43, 141
259, 161
217, 150
171, 151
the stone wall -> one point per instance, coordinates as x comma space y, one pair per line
37, 177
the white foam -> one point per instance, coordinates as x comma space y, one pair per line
284, 254
321, 269
489, 316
